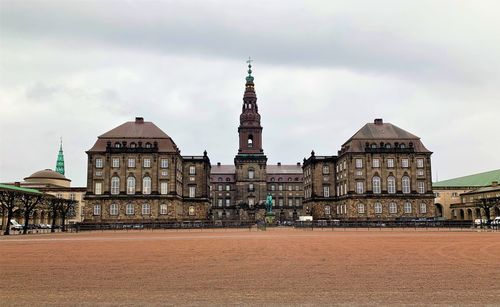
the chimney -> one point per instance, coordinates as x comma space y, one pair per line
218, 163
139, 120
378, 121
494, 183
279, 163
298, 163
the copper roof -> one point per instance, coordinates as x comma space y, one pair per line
136, 131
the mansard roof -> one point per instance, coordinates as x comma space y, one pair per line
284, 169
380, 132
135, 132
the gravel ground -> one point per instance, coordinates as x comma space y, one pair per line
240, 267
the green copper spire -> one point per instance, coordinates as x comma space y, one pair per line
60, 160
249, 77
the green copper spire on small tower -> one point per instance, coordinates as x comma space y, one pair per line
249, 77
60, 160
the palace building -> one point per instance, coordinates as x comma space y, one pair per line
136, 172
381, 173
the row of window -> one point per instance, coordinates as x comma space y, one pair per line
405, 163
131, 162
378, 208
133, 145
131, 186
114, 209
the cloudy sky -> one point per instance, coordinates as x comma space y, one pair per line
322, 70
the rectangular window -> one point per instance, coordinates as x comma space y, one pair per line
163, 209
98, 163
146, 209
251, 174
297, 201
98, 188
280, 187
421, 187
131, 162
192, 170
220, 187
273, 187
280, 202
228, 202
423, 208
326, 169
378, 208
393, 208
115, 163
390, 163
420, 172
251, 201
129, 209
420, 163
359, 163
404, 163
290, 202
326, 191
146, 162
164, 187
345, 164
164, 163
376, 163
228, 187
360, 187
192, 191
97, 209
327, 210
219, 202
407, 208
250, 187
113, 209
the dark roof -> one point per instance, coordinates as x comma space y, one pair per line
284, 169
136, 131
476, 180
491, 188
377, 132
47, 174
223, 169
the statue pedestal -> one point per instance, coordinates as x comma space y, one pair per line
269, 218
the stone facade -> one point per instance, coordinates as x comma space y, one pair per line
136, 172
381, 173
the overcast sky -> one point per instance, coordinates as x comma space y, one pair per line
322, 70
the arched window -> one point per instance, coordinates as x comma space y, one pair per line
148, 145
131, 185
146, 185
250, 141
219, 179
376, 184
117, 145
407, 207
361, 208
391, 185
402, 145
377, 208
146, 209
393, 208
130, 209
327, 210
113, 209
405, 181
115, 185
133, 145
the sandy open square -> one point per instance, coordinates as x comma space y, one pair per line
274, 267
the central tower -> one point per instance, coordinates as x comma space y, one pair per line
250, 130
250, 162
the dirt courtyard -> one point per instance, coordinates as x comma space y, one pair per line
241, 267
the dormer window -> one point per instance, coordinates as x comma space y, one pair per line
118, 145
148, 145
132, 145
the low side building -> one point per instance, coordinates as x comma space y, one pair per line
448, 192
480, 203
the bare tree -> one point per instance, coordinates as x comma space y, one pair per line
28, 204
486, 204
10, 204
66, 209
54, 204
